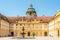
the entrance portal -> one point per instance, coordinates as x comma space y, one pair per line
58, 33
12, 33
45, 33
28, 33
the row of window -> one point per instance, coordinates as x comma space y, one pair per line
29, 24
23, 24
30, 28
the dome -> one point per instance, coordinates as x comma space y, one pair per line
31, 9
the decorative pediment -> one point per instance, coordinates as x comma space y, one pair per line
57, 14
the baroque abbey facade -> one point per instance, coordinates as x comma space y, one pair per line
31, 24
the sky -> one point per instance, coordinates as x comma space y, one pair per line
19, 7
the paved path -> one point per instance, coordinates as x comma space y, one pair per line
37, 38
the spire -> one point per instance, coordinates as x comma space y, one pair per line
31, 6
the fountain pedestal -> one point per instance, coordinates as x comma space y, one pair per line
23, 33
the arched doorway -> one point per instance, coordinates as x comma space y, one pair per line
45, 33
28, 33
12, 33
58, 33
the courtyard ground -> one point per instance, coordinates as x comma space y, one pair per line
36, 38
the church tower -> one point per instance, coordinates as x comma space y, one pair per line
31, 11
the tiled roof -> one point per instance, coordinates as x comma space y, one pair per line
13, 19
3, 17
38, 18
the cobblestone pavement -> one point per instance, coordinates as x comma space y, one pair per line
36, 38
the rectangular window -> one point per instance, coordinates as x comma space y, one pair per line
16, 24
20, 24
